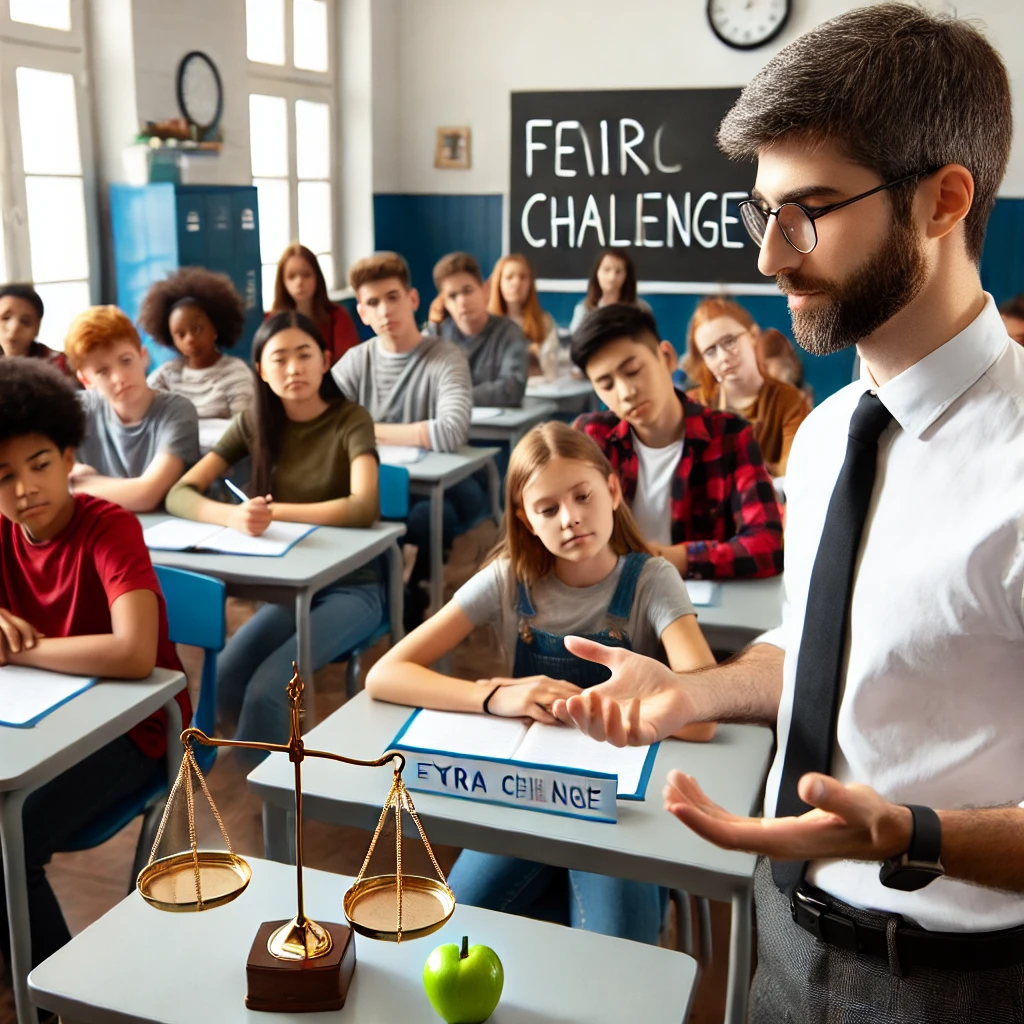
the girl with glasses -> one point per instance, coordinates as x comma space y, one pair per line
721, 356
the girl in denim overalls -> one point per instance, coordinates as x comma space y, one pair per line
571, 561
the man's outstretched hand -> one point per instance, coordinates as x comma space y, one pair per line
643, 702
851, 822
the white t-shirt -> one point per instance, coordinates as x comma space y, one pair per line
932, 710
652, 505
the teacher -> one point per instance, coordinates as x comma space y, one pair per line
891, 883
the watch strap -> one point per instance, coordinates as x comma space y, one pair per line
925, 836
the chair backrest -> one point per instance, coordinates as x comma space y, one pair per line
394, 492
195, 616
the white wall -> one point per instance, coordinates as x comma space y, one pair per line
457, 61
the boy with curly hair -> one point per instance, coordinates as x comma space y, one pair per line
138, 442
78, 594
200, 314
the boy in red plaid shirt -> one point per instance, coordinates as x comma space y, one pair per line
694, 477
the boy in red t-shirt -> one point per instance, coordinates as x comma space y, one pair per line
77, 594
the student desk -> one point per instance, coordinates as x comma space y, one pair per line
29, 758
511, 424
569, 394
111, 973
430, 477
740, 611
646, 844
320, 558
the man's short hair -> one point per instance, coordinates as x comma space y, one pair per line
897, 90
612, 323
456, 263
26, 293
1013, 307
95, 328
36, 398
381, 266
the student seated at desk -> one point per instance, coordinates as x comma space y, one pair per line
494, 346
693, 476
612, 280
514, 294
418, 391
78, 595
722, 358
571, 562
313, 461
137, 441
21, 316
200, 314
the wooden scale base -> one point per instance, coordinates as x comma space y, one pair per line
300, 986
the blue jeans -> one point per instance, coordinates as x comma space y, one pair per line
254, 668
596, 903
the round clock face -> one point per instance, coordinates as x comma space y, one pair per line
199, 90
747, 24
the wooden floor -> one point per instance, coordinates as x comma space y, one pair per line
89, 883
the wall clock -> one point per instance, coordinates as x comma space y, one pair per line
748, 24
200, 93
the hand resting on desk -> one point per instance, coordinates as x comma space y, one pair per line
528, 697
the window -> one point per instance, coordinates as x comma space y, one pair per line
47, 230
291, 117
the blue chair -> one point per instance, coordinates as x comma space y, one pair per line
195, 616
393, 485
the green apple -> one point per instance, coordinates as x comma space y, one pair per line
463, 985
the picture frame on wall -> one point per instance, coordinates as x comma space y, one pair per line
452, 149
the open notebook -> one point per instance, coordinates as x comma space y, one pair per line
511, 739
185, 535
399, 454
30, 694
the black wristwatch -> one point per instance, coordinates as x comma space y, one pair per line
920, 865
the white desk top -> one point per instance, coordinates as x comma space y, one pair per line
563, 387
140, 964
647, 844
328, 553
525, 415
751, 605
65, 736
448, 468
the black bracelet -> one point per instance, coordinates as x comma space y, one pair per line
487, 700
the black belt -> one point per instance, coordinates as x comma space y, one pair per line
945, 951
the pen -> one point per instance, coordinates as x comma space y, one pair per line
236, 491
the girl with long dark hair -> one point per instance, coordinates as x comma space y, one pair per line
612, 280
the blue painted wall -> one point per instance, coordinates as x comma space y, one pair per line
424, 227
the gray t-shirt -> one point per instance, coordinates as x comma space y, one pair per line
659, 600
112, 448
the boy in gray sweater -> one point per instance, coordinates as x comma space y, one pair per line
495, 347
418, 391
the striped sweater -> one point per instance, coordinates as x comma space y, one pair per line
217, 392
431, 383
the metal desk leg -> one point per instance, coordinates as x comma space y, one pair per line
396, 593
304, 653
738, 983
278, 833
436, 547
12, 844
494, 489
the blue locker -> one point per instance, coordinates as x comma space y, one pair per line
160, 227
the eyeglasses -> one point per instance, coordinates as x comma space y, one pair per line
722, 347
796, 221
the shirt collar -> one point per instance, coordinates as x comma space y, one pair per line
923, 392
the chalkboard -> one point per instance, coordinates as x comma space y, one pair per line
634, 168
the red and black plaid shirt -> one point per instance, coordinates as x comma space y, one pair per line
723, 503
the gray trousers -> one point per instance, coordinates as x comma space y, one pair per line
800, 980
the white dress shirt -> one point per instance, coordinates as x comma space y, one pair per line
933, 707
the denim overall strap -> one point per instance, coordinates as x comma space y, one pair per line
524, 606
622, 600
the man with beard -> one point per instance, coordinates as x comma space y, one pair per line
891, 884
693, 477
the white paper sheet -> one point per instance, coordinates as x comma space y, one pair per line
482, 413
561, 746
28, 694
702, 592
184, 535
472, 735
399, 454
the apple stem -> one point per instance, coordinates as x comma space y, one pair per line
465, 947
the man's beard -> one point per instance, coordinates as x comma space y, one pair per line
885, 283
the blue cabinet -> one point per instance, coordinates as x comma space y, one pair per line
160, 227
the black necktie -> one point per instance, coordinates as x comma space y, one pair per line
820, 663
